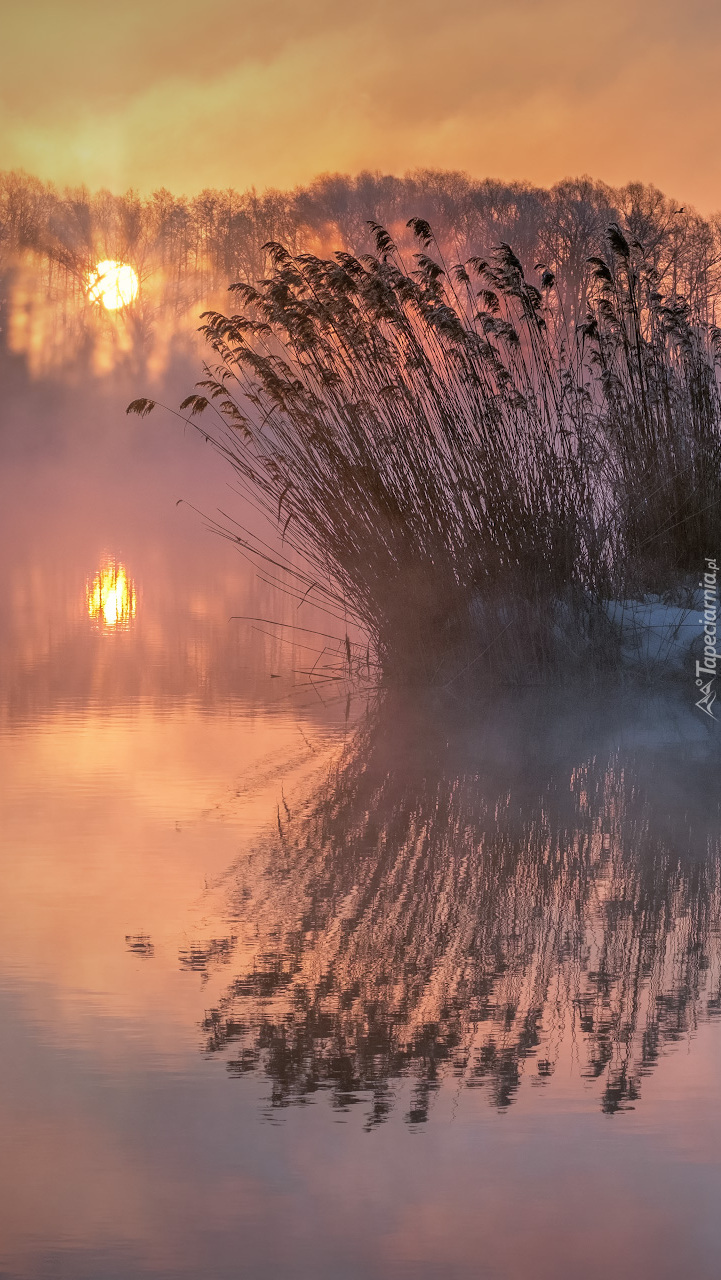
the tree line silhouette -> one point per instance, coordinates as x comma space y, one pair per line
202, 243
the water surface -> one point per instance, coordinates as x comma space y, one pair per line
302, 985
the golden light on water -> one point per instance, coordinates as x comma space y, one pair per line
111, 596
115, 284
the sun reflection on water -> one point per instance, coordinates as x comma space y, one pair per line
111, 595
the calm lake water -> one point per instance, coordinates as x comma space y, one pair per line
297, 984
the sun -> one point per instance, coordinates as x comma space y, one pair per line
115, 284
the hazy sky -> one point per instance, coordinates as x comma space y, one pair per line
145, 93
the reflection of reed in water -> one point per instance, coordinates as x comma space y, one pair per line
432, 916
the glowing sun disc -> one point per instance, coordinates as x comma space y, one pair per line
115, 284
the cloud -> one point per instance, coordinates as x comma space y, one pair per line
273, 93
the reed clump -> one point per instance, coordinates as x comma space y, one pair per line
461, 463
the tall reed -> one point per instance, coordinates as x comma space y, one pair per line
455, 461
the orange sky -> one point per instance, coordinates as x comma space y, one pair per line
272, 92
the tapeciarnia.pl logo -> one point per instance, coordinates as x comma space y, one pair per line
706, 671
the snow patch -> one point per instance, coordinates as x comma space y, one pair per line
657, 634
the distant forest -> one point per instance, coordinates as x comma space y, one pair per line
207, 241
187, 250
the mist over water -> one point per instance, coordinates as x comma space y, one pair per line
299, 979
